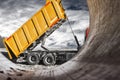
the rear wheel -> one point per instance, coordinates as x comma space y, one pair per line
32, 59
49, 59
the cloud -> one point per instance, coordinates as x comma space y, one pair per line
75, 4
13, 13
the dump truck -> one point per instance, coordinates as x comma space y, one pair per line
43, 23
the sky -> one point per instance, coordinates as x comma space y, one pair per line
14, 13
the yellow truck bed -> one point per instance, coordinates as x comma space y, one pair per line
34, 28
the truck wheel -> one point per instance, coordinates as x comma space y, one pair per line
32, 59
49, 59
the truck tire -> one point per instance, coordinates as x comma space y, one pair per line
32, 59
49, 59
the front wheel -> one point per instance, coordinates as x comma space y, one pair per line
49, 59
32, 59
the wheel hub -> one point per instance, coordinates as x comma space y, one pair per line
49, 60
33, 58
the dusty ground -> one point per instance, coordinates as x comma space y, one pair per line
85, 70
13, 71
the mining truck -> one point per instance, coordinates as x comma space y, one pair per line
33, 32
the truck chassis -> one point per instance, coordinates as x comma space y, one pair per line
47, 57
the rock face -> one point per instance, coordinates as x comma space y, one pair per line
105, 30
99, 57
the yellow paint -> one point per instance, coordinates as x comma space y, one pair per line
35, 27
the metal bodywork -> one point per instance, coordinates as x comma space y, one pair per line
40, 23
